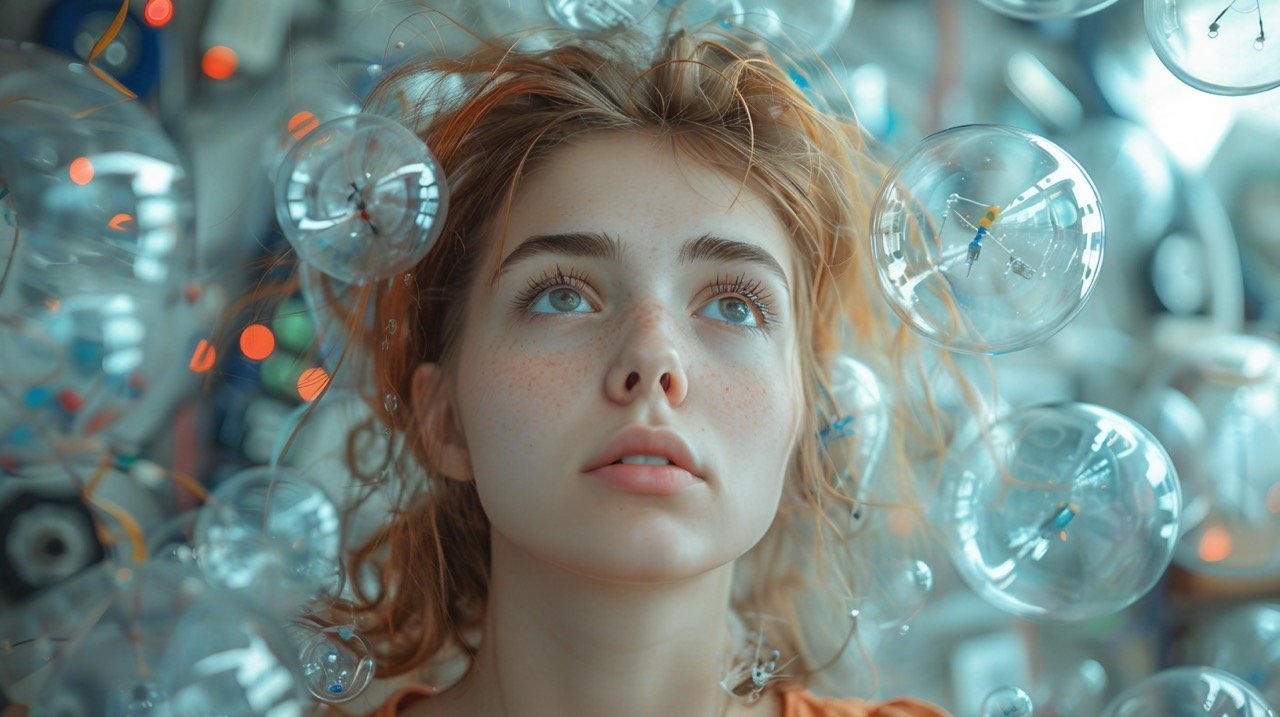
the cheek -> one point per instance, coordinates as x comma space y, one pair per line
509, 392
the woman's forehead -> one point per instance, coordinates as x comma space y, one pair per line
643, 190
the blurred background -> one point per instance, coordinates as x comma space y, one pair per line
188, 385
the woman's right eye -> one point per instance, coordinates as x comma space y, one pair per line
560, 300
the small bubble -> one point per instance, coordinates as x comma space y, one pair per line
400, 45
408, 278
391, 402
385, 345
392, 327
904, 629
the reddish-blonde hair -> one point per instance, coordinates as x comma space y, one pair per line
490, 117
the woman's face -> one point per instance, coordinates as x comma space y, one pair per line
638, 288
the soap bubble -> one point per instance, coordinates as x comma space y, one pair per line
361, 198
853, 435
586, 17
324, 88
810, 26
168, 643
898, 594
1046, 9
988, 239
1189, 692
272, 536
1216, 46
1007, 702
1066, 511
337, 661
1244, 641
95, 223
1216, 409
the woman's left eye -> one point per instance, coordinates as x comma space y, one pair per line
560, 300
735, 310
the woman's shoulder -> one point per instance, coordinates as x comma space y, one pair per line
798, 701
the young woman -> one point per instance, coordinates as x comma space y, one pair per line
616, 359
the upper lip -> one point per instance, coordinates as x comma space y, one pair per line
647, 441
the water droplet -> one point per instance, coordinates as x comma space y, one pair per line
385, 345
392, 327
408, 278
904, 629
390, 402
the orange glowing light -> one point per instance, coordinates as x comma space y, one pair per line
81, 170
203, 358
257, 342
158, 13
1215, 545
301, 124
219, 62
312, 383
120, 222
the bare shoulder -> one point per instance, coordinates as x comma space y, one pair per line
800, 702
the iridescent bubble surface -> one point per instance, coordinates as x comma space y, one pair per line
1216, 408
360, 198
1066, 511
1217, 46
271, 535
987, 239
1190, 692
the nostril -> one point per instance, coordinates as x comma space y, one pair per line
665, 381
632, 380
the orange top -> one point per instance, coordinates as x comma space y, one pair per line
796, 702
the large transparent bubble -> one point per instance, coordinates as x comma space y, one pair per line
987, 239
1217, 46
587, 17
95, 241
1217, 411
1065, 511
361, 198
272, 536
1245, 641
1046, 9
168, 643
1190, 692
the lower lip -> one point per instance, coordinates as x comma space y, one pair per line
646, 480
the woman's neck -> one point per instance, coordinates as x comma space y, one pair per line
557, 643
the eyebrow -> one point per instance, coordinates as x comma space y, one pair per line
597, 245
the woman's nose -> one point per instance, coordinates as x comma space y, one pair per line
648, 363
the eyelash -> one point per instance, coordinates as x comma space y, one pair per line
750, 289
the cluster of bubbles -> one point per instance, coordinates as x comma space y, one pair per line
1217, 46
95, 249
95, 221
